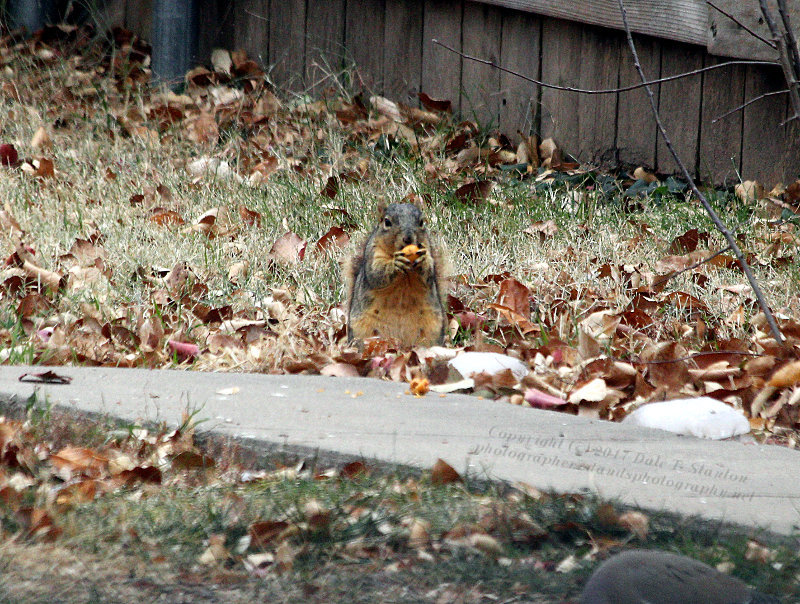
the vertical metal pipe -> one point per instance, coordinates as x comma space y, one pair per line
174, 39
31, 14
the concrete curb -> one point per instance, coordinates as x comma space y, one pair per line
747, 484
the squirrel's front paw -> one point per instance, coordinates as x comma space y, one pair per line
401, 262
410, 257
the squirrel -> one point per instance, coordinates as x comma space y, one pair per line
395, 285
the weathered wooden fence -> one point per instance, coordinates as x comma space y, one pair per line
305, 42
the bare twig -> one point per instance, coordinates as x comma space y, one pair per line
786, 63
689, 357
602, 90
742, 25
695, 265
712, 214
791, 41
750, 102
794, 52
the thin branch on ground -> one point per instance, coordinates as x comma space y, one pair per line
689, 357
762, 302
742, 25
693, 266
750, 102
601, 90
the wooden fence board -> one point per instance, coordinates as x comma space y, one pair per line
287, 43
721, 142
558, 51
637, 130
577, 55
251, 28
403, 51
324, 43
139, 18
441, 69
679, 106
110, 14
727, 38
681, 20
762, 133
561, 43
215, 20
364, 41
480, 84
791, 153
520, 52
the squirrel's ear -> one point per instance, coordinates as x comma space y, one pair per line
417, 201
382, 206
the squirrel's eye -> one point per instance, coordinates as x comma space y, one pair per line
422, 223
387, 222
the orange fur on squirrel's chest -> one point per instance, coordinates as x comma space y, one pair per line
403, 311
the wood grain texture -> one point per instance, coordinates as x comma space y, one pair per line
519, 99
480, 84
441, 69
567, 54
287, 43
402, 55
251, 28
763, 138
636, 129
580, 55
721, 142
139, 17
681, 20
791, 152
364, 41
215, 20
679, 107
325, 51
110, 14
728, 39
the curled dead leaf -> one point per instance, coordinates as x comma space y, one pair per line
486, 544
749, 190
635, 522
250, 217
192, 460
786, 376
265, 532
474, 192
41, 139
641, 174
288, 249
40, 168
441, 105
184, 350
547, 148
164, 217
336, 237
443, 473
317, 515
339, 370
419, 533
216, 552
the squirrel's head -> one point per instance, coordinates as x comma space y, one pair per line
406, 222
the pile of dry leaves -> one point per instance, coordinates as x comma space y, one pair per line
590, 352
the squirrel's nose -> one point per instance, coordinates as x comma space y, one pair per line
408, 239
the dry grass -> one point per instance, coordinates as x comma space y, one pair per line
146, 542
88, 143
